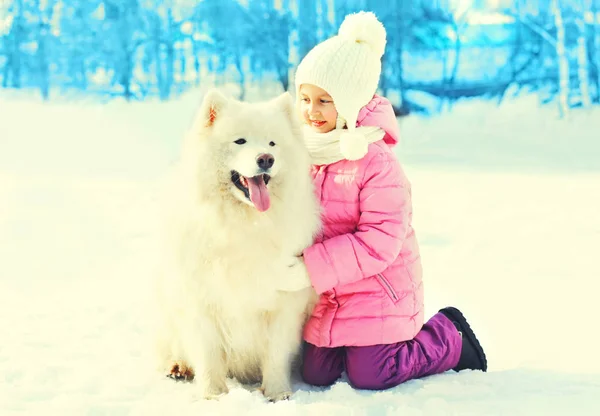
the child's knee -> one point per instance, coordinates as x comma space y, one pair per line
370, 372
318, 375
322, 366
364, 377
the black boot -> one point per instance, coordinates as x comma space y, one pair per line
472, 356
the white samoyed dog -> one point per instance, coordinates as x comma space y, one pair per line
232, 295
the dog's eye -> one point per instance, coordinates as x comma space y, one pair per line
240, 141
271, 144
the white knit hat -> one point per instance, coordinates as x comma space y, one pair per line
348, 67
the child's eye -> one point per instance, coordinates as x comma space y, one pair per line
305, 100
325, 101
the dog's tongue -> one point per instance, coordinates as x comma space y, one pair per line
259, 194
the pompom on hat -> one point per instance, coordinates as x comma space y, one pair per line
348, 67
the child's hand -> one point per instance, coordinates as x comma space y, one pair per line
294, 277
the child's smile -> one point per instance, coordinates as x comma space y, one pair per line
318, 123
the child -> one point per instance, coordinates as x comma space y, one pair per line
365, 266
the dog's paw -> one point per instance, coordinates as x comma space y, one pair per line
210, 392
276, 394
215, 390
180, 371
280, 396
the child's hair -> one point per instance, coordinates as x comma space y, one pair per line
347, 66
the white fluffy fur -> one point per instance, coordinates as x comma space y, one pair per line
364, 27
220, 312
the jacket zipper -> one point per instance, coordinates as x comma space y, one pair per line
388, 287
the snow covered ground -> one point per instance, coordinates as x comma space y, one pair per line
507, 209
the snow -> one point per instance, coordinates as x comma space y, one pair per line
507, 212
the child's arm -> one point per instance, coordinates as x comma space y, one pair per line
385, 206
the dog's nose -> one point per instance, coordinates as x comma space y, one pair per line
265, 161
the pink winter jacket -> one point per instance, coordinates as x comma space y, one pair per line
365, 265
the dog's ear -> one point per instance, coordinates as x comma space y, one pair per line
212, 106
286, 103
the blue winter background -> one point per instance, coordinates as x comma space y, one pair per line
498, 103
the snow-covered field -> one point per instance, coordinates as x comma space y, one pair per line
507, 209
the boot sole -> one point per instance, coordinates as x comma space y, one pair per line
457, 316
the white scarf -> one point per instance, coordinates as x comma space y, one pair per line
324, 148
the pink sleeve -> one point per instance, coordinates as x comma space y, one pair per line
385, 208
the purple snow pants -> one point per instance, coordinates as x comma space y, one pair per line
434, 350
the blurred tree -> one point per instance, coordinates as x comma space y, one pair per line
306, 26
594, 12
43, 38
227, 25
397, 16
440, 28
270, 45
551, 29
563, 61
528, 57
161, 37
16, 36
81, 49
582, 56
124, 31
325, 24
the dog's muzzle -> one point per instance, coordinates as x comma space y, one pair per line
254, 189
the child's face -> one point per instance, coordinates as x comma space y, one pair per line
317, 109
